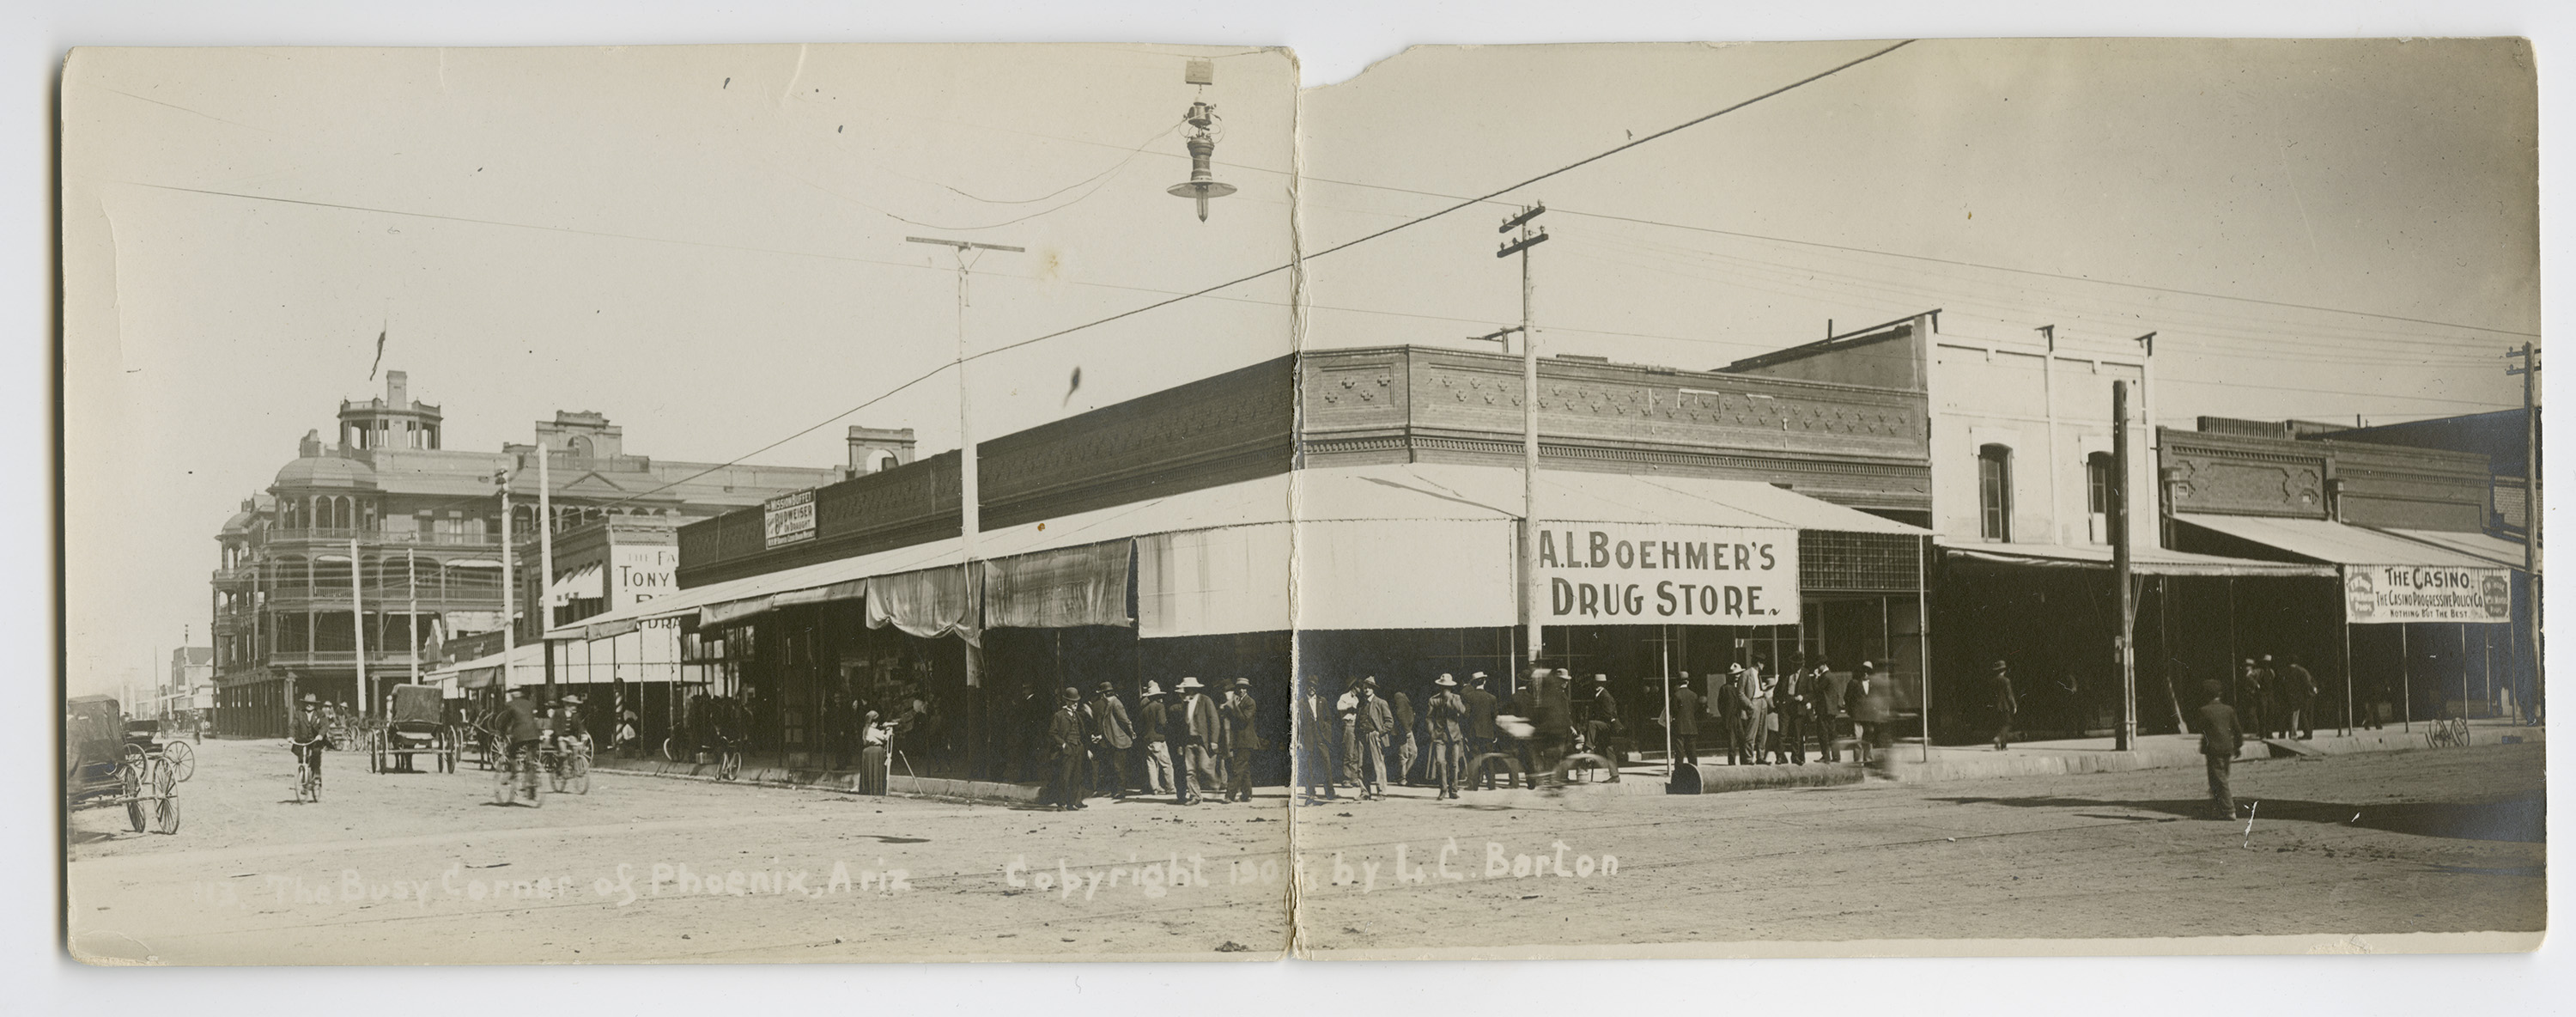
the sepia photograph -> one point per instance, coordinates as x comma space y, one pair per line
1108, 502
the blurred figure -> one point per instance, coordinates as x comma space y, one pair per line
2220, 740
1999, 689
1480, 731
1446, 714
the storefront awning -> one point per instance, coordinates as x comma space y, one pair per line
2145, 561
485, 671
2334, 543
2497, 550
1413, 545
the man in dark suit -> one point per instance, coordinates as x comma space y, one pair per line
2253, 697
1999, 692
2220, 740
1373, 724
1525, 706
1554, 721
1241, 714
1728, 696
1833, 724
1789, 699
1065, 740
1445, 713
1606, 730
1201, 732
1153, 731
1479, 725
1399, 741
1682, 717
2299, 689
1316, 723
1112, 736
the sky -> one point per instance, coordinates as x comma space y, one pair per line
708, 244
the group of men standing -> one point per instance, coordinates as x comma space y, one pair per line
1770, 718
1185, 741
2280, 701
1361, 728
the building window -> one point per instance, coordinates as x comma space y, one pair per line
2097, 483
1994, 493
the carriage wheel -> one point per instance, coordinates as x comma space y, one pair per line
129, 781
182, 758
166, 812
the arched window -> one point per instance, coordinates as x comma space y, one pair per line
887, 462
579, 447
1994, 493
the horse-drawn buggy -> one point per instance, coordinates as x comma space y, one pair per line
415, 725
109, 760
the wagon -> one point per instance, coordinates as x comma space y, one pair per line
107, 763
415, 726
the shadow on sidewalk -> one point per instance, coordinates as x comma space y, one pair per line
2524, 819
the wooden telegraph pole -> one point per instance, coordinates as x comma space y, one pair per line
2530, 372
2125, 606
1531, 590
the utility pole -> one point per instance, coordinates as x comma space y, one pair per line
546, 562
411, 615
2530, 372
358, 627
509, 584
969, 484
2125, 607
1531, 592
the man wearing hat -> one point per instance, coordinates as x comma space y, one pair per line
1479, 726
1241, 714
1682, 718
305, 733
520, 730
2253, 694
1112, 736
1445, 713
2298, 698
1346, 710
1316, 721
1200, 732
1065, 738
1604, 729
2220, 740
1999, 689
1153, 719
1374, 723
1727, 702
1754, 692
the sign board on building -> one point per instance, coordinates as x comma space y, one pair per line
2391, 594
1659, 574
788, 518
640, 573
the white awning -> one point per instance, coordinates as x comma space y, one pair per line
530, 669
2333, 543
2494, 549
2145, 561
1413, 545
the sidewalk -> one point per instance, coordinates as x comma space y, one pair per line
769, 773
2052, 758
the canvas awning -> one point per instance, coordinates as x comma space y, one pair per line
2145, 561
485, 671
2333, 543
2497, 550
1413, 545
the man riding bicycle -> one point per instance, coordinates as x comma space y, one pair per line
304, 736
517, 726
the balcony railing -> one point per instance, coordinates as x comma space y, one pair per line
342, 658
370, 538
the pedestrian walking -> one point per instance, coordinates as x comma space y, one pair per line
1524, 705
2301, 687
1400, 741
1316, 722
1681, 717
1445, 714
1833, 718
1999, 690
1153, 725
1065, 743
1374, 722
2220, 740
1480, 730
1874, 708
1201, 731
1241, 739
1112, 736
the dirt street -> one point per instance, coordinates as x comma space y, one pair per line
2426, 841
413, 868
403, 868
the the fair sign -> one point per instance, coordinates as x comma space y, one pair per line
1656, 574
2393, 594
642, 572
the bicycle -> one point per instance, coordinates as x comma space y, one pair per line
308, 783
513, 772
728, 758
568, 765
2448, 732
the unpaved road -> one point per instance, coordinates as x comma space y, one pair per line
2425, 841
253, 877
421, 868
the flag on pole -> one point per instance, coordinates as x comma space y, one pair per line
380, 353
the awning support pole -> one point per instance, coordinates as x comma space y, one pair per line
1923, 638
2406, 679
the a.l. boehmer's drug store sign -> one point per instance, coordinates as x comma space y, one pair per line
1655, 574
2386, 594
